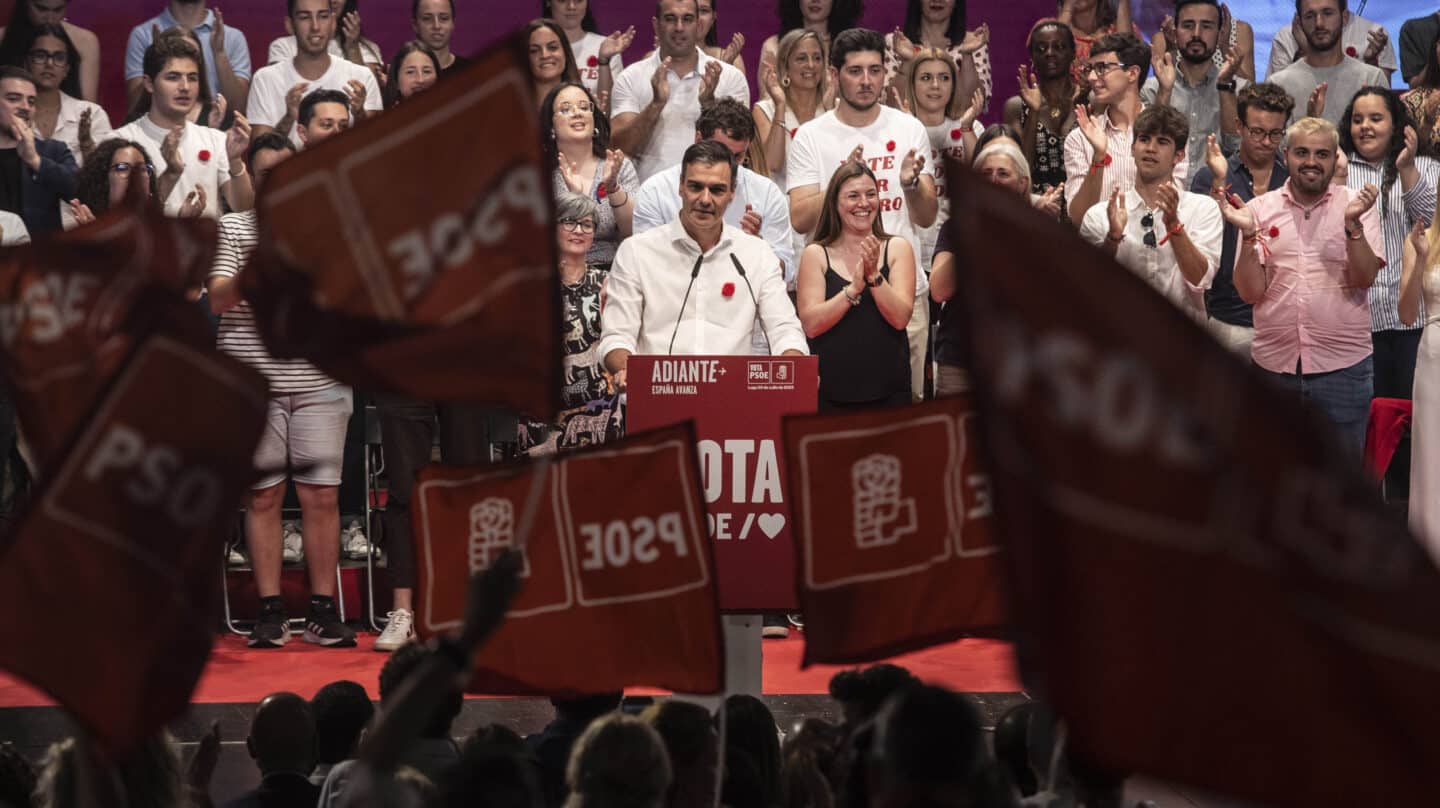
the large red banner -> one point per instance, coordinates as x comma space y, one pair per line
1208, 589
68, 309
736, 403
115, 565
405, 256
892, 513
616, 561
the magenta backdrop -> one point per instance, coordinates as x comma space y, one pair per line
483, 21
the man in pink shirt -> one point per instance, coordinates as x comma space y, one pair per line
1308, 255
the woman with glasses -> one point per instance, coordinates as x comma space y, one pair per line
576, 138
854, 295
59, 114
16, 40
1091, 19
105, 181
589, 414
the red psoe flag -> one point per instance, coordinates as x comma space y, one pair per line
110, 585
1208, 590
618, 581
895, 549
68, 309
416, 253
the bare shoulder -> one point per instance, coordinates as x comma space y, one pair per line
82, 37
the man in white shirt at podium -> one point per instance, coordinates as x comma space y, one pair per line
697, 284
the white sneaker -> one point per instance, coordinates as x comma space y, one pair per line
294, 544
354, 543
400, 630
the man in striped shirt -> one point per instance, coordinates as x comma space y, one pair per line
308, 417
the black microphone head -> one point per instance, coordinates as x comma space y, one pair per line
736, 262
695, 273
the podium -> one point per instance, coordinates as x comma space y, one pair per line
736, 403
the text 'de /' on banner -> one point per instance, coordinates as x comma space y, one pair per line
894, 545
111, 580
1207, 588
415, 254
618, 583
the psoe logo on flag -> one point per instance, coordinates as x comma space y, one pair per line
882, 517
492, 531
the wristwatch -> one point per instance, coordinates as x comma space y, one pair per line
1225, 86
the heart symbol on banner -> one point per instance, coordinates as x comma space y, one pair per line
771, 523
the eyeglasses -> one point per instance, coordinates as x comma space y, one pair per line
569, 110
40, 57
578, 227
1262, 135
1100, 68
124, 168
1148, 222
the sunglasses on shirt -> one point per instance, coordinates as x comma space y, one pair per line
1148, 222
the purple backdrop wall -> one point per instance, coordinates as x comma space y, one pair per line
480, 22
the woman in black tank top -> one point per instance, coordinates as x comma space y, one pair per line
855, 294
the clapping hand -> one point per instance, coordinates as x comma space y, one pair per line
1215, 159
1377, 39
910, 168
194, 203
1362, 202
751, 221
170, 152
659, 84
1030, 88
1315, 107
570, 173
1049, 202
977, 39
1405, 160
770, 83
611, 170
217, 111
737, 44
237, 140
870, 260
709, 81
899, 101
977, 103
1167, 198
81, 212
356, 90
904, 48
1117, 214
617, 43
1090, 128
1235, 212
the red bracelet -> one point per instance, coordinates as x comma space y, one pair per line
1176, 229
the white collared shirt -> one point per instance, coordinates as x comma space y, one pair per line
675, 131
67, 124
1120, 172
658, 203
201, 148
648, 284
1156, 265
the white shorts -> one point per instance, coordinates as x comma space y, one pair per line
307, 431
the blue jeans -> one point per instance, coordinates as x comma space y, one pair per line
1342, 395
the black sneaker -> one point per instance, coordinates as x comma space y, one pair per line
324, 627
272, 630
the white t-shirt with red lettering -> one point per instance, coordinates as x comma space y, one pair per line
823, 144
587, 60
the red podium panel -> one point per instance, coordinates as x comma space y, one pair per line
736, 403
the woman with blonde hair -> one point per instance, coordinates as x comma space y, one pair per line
855, 294
1420, 297
795, 92
931, 94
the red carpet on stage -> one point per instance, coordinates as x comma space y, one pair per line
237, 674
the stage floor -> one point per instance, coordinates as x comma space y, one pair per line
237, 674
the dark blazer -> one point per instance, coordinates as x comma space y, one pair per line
280, 790
42, 191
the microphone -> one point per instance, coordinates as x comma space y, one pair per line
694, 273
741, 270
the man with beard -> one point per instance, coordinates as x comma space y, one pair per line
36, 174
227, 54
1161, 232
890, 142
657, 100
1325, 65
1255, 169
1309, 253
1202, 92
1360, 38
279, 88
